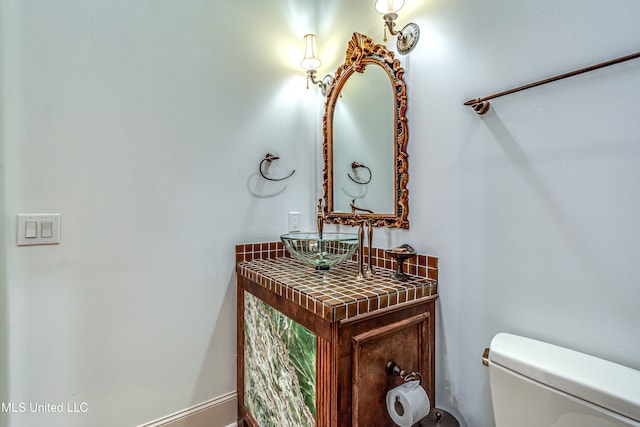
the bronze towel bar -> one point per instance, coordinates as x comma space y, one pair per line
481, 105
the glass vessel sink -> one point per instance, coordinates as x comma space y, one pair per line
322, 253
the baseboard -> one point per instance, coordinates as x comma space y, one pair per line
219, 412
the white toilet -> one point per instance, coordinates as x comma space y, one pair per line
535, 384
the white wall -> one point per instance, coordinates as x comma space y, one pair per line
4, 379
533, 209
143, 124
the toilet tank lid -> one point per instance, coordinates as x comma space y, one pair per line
595, 380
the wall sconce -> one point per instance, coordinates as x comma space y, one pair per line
408, 36
310, 62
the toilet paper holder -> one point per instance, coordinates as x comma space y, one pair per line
394, 369
434, 417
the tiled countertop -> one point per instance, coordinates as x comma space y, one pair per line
336, 294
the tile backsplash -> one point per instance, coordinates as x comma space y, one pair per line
420, 265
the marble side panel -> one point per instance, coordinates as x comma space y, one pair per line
280, 367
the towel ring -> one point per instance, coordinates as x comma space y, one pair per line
269, 158
354, 166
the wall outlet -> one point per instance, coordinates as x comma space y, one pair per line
294, 222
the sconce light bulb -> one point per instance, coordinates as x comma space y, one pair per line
310, 60
389, 6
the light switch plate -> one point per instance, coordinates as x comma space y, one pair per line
51, 235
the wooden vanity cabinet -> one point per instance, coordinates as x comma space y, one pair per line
351, 353
405, 335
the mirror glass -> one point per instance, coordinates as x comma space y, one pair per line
365, 138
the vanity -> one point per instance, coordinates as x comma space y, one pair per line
313, 345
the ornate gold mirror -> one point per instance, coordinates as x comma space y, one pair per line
365, 138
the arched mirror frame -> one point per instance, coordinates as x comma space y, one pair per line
361, 52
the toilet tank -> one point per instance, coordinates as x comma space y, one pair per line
535, 384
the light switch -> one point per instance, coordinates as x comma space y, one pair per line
46, 229
38, 229
30, 229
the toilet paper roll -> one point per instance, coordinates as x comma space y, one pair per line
408, 403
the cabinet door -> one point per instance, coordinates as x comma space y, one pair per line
279, 367
407, 343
